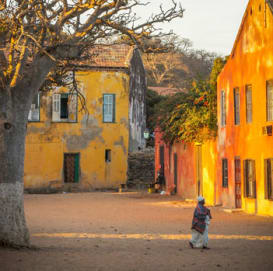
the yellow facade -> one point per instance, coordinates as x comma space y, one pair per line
209, 158
89, 136
250, 66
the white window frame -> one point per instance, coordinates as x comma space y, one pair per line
109, 104
56, 108
33, 112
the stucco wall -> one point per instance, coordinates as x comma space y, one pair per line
250, 63
47, 141
190, 158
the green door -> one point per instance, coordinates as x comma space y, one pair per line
71, 167
77, 165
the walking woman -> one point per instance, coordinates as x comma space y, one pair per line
200, 223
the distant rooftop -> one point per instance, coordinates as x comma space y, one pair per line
112, 56
270, 3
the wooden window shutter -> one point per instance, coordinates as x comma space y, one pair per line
266, 176
254, 178
245, 179
248, 94
109, 108
270, 181
56, 107
114, 108
269, 100
72, 107
34, 112
236, 98
223, 108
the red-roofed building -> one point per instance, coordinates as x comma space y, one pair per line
72, 148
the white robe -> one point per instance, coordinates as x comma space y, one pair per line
198, 239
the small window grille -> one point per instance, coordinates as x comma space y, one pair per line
107, 156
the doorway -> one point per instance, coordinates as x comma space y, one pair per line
199, 179
175, 171
161, 158
71, 167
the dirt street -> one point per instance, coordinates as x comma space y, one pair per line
135, 231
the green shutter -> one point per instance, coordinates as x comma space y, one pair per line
77, 167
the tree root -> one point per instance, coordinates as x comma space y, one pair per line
4, 244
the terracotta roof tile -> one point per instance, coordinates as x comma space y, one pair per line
270, 4
116, 56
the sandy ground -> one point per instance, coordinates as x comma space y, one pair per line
135, 231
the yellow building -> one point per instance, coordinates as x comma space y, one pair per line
67, 147
245, 115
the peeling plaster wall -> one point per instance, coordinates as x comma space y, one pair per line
187, 167
251, 63
47, 141
137, 112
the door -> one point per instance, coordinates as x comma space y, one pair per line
175, 171
161, 158
71, 167
199, 178
238, 191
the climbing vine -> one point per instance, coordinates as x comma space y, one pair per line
191, 116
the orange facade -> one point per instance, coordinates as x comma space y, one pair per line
189, 168
245, 116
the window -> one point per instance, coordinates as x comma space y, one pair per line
223, 108
34, 112
269, 178
269, 100
250, 178
248, 103
108, 107
107, 156
224, 172
236, 95
64, 107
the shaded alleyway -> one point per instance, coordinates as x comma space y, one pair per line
134, 231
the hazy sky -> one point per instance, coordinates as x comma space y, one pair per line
209, 24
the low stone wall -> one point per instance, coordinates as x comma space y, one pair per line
140, 168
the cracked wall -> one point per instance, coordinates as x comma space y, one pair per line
48, 141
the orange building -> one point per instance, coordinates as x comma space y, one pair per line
189, 168
245, 116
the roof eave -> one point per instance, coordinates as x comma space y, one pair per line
270, 4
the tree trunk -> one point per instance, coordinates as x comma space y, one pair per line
14, 107
13, 229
